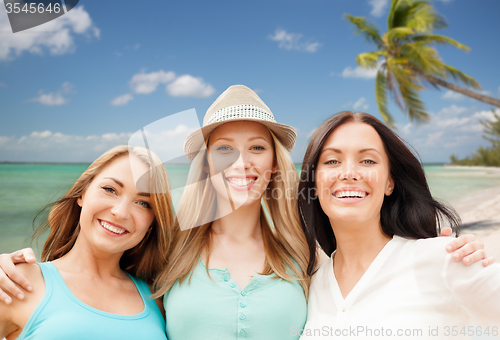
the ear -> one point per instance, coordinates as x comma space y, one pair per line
390, 186
79, 201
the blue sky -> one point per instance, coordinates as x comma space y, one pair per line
86, 81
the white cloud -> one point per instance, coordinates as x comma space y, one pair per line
378, 7
182, 86
2, 84
452, 95
56, 36
122, 100
294, 41
360, 104
146, 83
453, 130
359, 72
54, 98
452, 110
189, 86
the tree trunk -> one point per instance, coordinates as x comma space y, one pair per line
459, 89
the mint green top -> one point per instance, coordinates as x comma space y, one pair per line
60, 315
204, 308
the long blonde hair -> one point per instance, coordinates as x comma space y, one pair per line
144, 260
284, 241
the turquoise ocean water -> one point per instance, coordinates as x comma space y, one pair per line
26, 188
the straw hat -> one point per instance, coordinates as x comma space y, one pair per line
238, 102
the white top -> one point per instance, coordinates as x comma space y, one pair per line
413, 289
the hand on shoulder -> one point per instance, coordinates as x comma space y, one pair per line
13, 317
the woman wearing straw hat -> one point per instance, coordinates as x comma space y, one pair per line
233, 271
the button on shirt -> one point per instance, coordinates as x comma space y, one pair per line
216, 308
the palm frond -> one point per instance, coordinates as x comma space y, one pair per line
423, 57
414, 107
391, 86
363, 27
403, 74
398, 33
460, 76
418, 15
369, 60
381, 96
439, 39
390, 17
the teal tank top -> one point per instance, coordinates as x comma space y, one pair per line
60, 315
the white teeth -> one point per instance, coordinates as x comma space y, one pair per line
241, 183
350, 194
111, 228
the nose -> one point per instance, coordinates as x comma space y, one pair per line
243, 161
349, 172
121, 209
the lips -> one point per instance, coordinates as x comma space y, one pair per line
112, 228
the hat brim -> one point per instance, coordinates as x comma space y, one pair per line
195, 141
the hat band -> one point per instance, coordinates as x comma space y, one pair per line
240, 112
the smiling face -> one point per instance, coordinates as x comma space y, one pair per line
353, 174
115, 216
243, 153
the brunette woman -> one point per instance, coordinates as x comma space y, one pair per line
388, 274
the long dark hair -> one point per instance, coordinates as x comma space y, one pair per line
410, 211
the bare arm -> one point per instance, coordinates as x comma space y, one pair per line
13, 317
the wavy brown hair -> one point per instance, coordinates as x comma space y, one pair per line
284, 241
144, 260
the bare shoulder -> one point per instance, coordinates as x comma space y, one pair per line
22, 310
13, 317
31, 271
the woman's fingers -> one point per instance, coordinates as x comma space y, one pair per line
446, 231
7, 286
488, 261
459, 242
25, 255
9, 274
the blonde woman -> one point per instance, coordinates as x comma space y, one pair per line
236, 270
107, 238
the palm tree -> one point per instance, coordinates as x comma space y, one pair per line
406, 60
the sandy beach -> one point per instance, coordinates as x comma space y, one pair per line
480, 214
